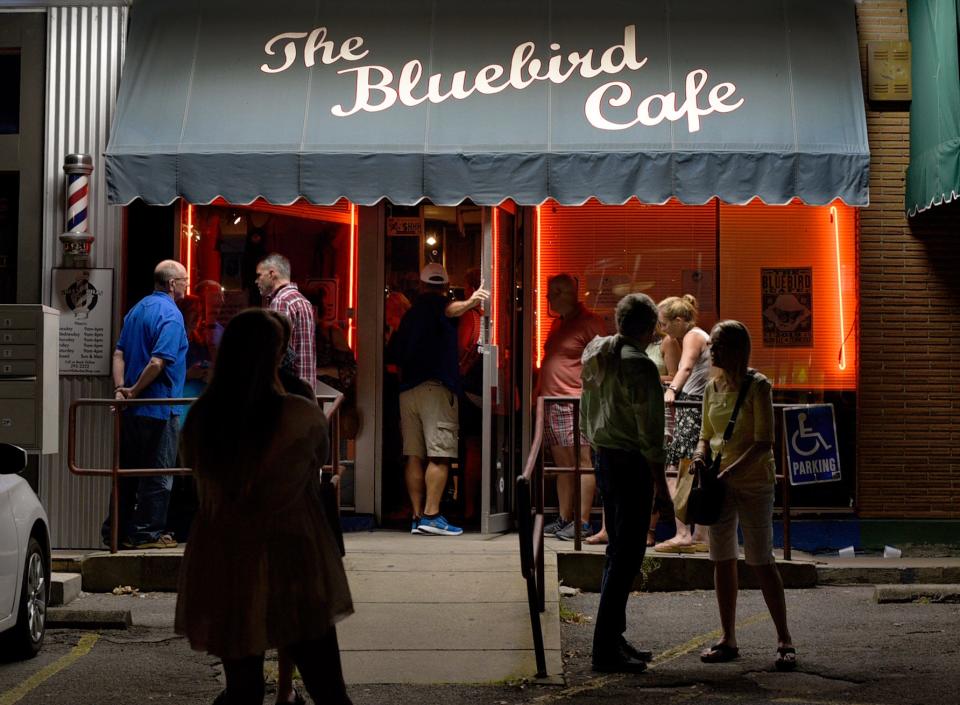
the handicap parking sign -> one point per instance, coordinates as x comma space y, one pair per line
810, 435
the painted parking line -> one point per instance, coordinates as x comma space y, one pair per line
667, 656
83, 647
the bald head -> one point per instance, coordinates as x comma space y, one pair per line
170, 277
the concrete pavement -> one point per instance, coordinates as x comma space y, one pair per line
453, 609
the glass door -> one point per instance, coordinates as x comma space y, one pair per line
502, 258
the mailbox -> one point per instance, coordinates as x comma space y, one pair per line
29, 380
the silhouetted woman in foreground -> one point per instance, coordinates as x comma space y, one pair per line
261, 569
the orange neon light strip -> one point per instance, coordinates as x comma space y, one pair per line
494, 313
834, 216
539, 355
352, 276
189, 257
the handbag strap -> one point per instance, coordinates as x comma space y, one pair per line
744, 388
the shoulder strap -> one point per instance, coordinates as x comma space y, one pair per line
744, 388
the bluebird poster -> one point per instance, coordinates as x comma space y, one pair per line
787, 307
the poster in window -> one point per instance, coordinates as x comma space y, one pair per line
787, 307
323, 293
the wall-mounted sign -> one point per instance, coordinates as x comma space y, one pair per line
787, 307
324, 292
405, 226
378, 87
84, 298
810, 435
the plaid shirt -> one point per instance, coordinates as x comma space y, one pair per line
289, 301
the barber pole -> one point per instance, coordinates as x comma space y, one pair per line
77, 239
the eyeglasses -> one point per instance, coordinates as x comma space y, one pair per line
180, 279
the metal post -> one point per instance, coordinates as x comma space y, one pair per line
576, 477
115, 488
786, 497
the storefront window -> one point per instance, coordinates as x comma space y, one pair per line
222, 244
787, 272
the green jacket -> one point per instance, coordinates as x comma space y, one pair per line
622, 401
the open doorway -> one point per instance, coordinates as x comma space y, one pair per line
451, 237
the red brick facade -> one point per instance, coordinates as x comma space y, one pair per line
909, 387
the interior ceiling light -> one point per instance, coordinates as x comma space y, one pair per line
431, 240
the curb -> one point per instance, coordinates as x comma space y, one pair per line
66, 618
893, 575
673, 572
150, 571
885, 594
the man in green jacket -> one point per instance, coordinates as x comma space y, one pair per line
622, 416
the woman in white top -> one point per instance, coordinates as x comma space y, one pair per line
678, 320
748, 469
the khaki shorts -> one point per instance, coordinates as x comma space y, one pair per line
429, 421
752, 509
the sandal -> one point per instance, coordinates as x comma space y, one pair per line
596, 539
786, 658
674, 546
720, 653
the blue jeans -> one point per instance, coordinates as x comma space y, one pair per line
145, 442
626, 487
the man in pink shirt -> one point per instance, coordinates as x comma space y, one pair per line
560, 376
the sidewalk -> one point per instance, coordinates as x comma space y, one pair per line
454, 609
429, 609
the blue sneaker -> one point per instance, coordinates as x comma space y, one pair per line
438, 526
415, 528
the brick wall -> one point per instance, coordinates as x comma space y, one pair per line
909, 388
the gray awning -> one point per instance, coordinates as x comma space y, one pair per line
489, 101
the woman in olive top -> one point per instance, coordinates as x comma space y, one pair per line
748, 468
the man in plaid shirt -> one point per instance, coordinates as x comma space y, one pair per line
273, 281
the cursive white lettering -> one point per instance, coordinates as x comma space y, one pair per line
485, 79
364, 87
669, 110
409, 78
316, 40
289, 50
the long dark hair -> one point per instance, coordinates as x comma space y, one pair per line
735, 338
231, 424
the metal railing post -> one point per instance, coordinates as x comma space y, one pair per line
115, 484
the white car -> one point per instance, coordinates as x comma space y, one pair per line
24, 560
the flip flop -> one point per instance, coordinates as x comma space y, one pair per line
786, 658
595, 539
720, 653
671, 546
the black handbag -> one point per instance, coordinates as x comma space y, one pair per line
707, 494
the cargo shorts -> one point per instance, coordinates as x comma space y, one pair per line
429, 421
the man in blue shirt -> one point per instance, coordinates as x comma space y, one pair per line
150, 363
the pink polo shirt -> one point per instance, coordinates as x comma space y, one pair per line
560, 370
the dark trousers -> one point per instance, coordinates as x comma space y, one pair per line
319, 665
626, 487
145, 442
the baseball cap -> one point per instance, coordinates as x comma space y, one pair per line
434, 273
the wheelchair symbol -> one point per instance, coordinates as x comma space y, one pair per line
805, 433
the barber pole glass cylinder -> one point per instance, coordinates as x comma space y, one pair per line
77, 239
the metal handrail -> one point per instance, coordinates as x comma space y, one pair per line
115, 472
530, 532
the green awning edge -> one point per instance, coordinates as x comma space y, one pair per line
933, 176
